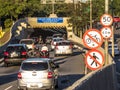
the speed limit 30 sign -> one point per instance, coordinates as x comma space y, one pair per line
106, 20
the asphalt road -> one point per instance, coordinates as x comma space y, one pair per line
71, 69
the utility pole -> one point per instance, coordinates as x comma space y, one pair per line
90, 13
53, 2
112, 33
106, 41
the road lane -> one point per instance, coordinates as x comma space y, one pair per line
71, 69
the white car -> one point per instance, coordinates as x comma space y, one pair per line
116, 49
29, 43
38, 73
54, 40
63, 47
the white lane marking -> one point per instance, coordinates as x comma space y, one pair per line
8, 88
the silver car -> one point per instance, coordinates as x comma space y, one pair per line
38, 73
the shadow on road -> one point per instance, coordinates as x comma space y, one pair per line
8, 78
65, 81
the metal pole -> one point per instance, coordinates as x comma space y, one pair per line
106, 41
53, 1
90, 13
113, 54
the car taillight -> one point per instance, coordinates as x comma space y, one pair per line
24, 53
52, 43
71, 46
50, 75
6, 53
56, 47
19, 75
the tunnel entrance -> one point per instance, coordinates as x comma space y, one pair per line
47, 32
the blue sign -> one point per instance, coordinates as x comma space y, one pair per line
50, 20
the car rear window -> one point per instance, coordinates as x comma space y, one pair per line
64, 43
15, 48
26, 42
35, 66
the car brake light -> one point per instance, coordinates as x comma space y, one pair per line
6, 53
24, 53
56, 46
19, 75
50, 75
70, 46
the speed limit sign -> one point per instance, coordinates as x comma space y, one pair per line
106, 20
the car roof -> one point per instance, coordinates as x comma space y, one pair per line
37, 60
57, 38
16, 45
26, 39
64, 41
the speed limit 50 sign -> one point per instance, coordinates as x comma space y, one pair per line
106, 20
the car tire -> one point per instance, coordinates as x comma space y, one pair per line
6, 64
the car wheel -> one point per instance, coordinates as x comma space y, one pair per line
6, 64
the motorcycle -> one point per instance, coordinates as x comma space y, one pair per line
44, 54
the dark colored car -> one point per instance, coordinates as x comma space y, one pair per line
48, 40
15, 53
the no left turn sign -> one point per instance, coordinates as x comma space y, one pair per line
106, 20
92, 39
94, 59
106, 32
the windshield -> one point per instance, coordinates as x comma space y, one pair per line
27, 42
34, 66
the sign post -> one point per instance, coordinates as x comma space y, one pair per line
106, 20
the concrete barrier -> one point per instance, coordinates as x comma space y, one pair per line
101, 79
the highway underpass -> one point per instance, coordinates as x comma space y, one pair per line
45, 32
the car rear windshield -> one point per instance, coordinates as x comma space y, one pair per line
15, 48
64, 43
27, 42
35, 66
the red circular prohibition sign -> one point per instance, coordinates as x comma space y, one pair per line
94, 59
93, 39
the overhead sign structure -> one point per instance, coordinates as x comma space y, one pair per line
106, 20
94, 59
92, 39
106, 32
50, 20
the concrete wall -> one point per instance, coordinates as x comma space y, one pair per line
102, 79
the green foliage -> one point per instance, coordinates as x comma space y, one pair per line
8, 23
79, 13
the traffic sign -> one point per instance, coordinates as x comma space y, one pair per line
92, 39
106, 32
106, 20
50, 20
94, 59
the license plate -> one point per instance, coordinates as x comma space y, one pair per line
34, 85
